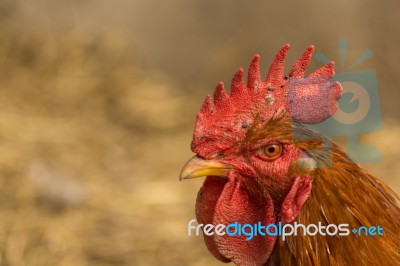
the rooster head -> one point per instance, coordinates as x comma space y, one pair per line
255, 169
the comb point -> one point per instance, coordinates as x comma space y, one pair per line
208, 106
300, 66
237, 81
220, 95
253, 78
276, 70
325, 72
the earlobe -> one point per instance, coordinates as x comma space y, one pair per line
295, 199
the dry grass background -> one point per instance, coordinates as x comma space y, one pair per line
97, 104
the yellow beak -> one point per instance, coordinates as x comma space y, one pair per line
197, 167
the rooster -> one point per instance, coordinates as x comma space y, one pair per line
262, 164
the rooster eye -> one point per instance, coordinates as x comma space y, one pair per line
271, 151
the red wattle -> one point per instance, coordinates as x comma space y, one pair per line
226, 201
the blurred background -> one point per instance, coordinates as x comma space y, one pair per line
97, 106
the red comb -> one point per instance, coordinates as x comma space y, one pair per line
309, 100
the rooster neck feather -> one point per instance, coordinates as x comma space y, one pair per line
345, 193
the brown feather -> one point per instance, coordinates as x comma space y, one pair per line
342, 193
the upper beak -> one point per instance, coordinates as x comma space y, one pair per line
197, 167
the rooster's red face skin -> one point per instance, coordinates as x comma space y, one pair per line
231, 132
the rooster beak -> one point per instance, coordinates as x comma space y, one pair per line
197, 167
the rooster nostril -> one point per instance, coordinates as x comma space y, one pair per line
216, 155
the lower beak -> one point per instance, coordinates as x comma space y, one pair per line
197, 167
